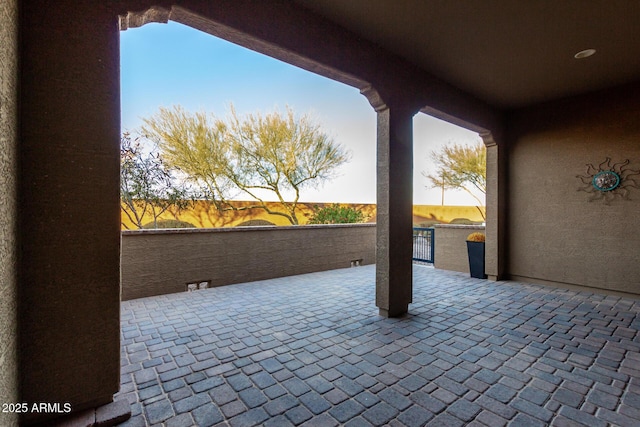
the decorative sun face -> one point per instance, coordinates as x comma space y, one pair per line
608, 181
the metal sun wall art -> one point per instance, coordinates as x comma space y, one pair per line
608, 181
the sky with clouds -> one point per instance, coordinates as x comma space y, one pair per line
169, 64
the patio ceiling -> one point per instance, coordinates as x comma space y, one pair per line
507, 53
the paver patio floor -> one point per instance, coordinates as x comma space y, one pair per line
312, 350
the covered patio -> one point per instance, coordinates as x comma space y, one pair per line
312, 350
552, 117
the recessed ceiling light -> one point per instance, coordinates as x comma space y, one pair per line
584, 53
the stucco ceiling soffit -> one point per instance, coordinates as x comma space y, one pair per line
507, 53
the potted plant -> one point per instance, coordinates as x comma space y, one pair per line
475, 249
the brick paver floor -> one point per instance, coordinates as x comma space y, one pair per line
311, 350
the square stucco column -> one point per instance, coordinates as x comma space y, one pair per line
495, 212
9, 249
69, 205
394, 251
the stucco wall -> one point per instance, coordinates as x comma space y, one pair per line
555, 233
451, 246
156, 262
8, 207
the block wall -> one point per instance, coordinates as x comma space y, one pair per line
8, 206
451, 246
156, 262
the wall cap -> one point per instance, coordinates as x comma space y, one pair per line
463, 226
241, 229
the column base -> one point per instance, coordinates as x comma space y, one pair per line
396, 312
107, 415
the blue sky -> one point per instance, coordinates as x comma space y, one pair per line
168, 64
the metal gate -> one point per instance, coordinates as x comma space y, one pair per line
423, 244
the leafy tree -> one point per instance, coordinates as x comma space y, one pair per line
147, 186
336, 214
257, 155
460, 167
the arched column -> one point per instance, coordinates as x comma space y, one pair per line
394, 246
496, 170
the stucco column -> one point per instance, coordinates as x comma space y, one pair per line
69, 205
394, 211
494, 247
9, 248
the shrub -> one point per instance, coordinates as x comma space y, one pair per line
168, 223
427, 224
476, 237
255, 223
463, 221
336, 214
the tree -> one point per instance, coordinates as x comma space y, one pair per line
460, 167
336, 214
257, 155
147, 186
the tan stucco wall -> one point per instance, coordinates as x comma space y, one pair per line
451, 246
555, 233
203, 214
156, 262
8, 207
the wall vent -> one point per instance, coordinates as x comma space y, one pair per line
196, 286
